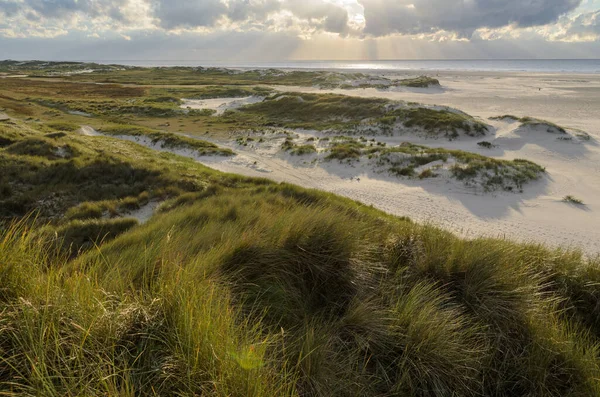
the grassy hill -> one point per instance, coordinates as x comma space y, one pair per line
244, 287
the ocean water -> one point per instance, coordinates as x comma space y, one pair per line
540, 66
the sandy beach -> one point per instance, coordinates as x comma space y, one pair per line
537, 215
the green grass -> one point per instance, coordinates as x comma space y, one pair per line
533, 122
490, 173
302, 150
210, 91
277, 290
169, 140
96, 169
572, 200
486, 144
315, 111
63, 126
346, 114
188, 76
297, 150
440, 122
350, 149
420, 82
77, 236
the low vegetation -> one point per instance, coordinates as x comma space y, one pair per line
533, 122
276, 290
84, 72
169, 140
350, 149
355, 115
486, 144
213, 91
297, 150
473, 169
52, 175
572, 200
420, 82
439, 122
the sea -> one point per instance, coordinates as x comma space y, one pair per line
584, 66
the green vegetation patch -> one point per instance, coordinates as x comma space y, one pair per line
213, 91
63, 126
439, 122
349, 114
297, 150
170, 140
316, 111
533, 122
275, 290
473, 169
77, 236
37, 174
419, 82
351, 149
572, 200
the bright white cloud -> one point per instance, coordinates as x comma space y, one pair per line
426, 20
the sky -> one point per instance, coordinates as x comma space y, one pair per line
280, 30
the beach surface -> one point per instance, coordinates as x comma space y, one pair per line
537, 215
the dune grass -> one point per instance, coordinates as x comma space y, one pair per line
169, 140
472, 168
533, 122
53, 175
440, 121
572, 200
340, 113
420, 82
200, 76
277, 290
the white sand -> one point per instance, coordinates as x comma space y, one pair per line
220, 105
88, 131
144, 213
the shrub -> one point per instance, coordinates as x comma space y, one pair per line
303, 150
428, 173
486, 144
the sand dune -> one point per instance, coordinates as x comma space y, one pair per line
537, 215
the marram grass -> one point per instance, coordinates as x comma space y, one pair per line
280, 291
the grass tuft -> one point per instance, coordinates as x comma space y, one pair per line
572, 200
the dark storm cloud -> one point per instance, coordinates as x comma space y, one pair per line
385, 17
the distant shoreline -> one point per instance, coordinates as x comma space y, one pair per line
577, 66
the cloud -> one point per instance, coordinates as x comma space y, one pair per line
322, 15
432, 20
173, 14
62, 9
317, 15
583, 27
463, 17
